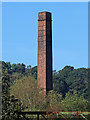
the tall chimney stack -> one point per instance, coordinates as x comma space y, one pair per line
44, 74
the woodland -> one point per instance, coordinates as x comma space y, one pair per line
20, 91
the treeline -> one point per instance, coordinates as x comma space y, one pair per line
21, 92
67, 79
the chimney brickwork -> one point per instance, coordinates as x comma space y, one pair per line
44, 74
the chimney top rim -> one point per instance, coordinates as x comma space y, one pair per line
45, 12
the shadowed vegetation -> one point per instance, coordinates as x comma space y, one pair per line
20, 91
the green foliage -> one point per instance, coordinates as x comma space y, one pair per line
9, 104
31, 71
5, 96
20, 89
70, 79
26, 89
10, 108
60, 85
20, 68
73, 102
54, 101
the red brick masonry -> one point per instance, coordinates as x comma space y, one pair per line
44, 74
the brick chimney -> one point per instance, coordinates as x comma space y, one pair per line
44, 74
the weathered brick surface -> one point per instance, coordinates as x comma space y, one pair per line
44, 75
